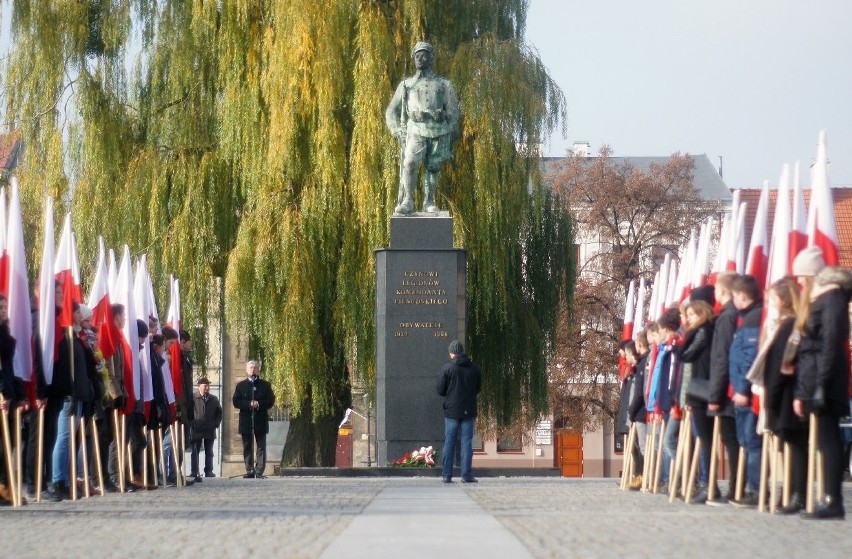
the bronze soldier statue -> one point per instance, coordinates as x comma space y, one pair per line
424, 116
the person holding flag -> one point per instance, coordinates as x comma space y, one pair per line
823, 366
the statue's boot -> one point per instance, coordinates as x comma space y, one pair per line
430, 180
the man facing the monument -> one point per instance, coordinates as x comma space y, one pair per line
424, 116
459, 383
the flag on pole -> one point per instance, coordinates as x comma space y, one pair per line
701, 274
664, 285
20, 311
63, 270
758, 254
639, 315
629, 309
47, 297
652, 304
779, 253
124, 295
739, 253
173, 320
4, 255
733, 240
798, 220
720, 265
143, 311
99, 301
671, 296
684, 278
821, 228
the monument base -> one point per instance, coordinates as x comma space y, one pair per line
420, 308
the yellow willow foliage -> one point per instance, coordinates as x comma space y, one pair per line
248, 142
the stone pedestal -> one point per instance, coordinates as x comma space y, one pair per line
420, 308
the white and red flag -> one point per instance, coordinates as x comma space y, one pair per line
143, 311
733, 240
4, 255
99, 301
47, 323
821, 228
701, 272
173, 320
720, 264
671, 299
779, 252
63, 270
662, 291
739, 253
639, 315
798, 220
20, 311
123, 294
758, 254
629, 309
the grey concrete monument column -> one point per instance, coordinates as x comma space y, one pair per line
420, 308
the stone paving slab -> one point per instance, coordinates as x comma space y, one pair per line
402, 517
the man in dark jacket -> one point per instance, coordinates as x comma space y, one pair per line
207, 418
459, 383
719, 404
747, 298
253, 397
636, 412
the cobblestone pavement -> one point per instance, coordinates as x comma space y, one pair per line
301, 517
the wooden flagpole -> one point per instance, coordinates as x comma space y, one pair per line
659, 461
84, 446
98, 463
741, 463
714, 459
40, 454
72, 420
812, 444
19, 449
788, 474
764, 472
162, 456
7, 447
693, 471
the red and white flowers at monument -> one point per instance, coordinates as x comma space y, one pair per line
423, 458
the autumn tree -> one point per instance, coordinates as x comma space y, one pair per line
627, 220
247, 142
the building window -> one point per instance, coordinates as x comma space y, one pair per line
510, 443
477, 443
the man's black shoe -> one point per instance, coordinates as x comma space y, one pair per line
211, 474
470, 480
198, 479
110, 487
447, 480
830, 509
796, 505
249, 475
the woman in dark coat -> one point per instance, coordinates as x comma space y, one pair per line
779, 384
695, 353
823, 366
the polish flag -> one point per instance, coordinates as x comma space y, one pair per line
47, 297
143, 311
629, 309
758, 255
779, 254
739, 253
821, 229
684, 278
701, 273
4, 255
733, 240
20, 312
799, 220
99, 302
664, 285
112, 271
123, 295
652, 303
671, 296
720, 265
639, 316
63, 270
173, 320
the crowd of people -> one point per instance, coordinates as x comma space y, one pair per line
77, 433
745, 367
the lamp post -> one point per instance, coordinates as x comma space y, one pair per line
369, 440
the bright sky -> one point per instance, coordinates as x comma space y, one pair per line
753, 81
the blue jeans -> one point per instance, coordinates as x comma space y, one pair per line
752, 443
669, 446
451, 433
61, 448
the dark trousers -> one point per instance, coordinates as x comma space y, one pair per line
831, 446
798, 441
257, 464
51, 416
732, 449
208, 456
703, 425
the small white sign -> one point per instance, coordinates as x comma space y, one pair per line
544, 432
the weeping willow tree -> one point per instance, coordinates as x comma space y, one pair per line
247, 142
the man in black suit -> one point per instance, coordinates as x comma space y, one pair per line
253, 397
